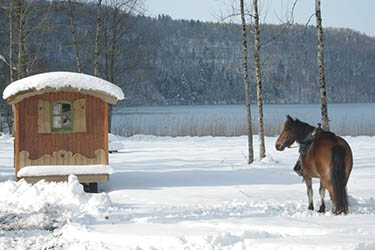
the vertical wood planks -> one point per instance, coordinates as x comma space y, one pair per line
79, 109
44, 117
39, 144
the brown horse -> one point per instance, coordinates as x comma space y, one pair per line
329, 158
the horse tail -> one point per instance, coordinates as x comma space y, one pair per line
338, 179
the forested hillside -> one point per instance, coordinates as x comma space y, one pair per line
165, 61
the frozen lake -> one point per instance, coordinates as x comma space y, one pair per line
230, 120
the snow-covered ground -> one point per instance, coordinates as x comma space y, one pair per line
187, 193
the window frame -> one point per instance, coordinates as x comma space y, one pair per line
62, 130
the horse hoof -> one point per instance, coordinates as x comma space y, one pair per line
341, 212
322, 209
311, 207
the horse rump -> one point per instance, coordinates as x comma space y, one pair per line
338, 179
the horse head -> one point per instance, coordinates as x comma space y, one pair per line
287, 136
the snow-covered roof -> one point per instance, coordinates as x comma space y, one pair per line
58, 80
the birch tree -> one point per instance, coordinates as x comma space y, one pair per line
74, 36
246, 85
258, 78
11, 43
21, 62
322, 83
11, 75
258, 68
97, 38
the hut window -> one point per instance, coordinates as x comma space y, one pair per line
62, 116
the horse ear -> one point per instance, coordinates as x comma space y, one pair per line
288, 117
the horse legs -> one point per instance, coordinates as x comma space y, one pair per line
329, 188
308, 181
322, 192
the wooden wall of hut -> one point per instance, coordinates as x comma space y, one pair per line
40, 144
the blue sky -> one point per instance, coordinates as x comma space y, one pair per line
358, 15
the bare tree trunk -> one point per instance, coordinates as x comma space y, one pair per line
11, 41
74, 38
114, 27
113, 45
21, 65
111, 39
258, 76
322, 82
246, 84
111, 66
106, 53
110, 107
10, 16
107, 73
97, 37
11, 75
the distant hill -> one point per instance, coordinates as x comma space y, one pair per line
192, 62
201, 63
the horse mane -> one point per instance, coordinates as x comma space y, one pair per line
302, 130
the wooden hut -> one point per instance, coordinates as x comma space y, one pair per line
61, 126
